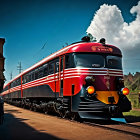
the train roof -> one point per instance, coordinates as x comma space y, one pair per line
76, 47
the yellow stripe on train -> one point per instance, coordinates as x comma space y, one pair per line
103, 96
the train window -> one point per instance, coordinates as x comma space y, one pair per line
89, 60
51, 67
32, 76
45, 69
13, 83
29, 77
61, 61
69, 61
36, 74
56, 65
18, 82
114, 62
23, 79
40, 72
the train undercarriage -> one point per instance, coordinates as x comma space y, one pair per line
66, 108
59, 106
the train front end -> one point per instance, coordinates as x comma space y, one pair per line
99, 89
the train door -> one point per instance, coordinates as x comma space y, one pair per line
56, 74
53, 70
61, 73
65, 62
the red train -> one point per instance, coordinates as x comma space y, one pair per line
83, 79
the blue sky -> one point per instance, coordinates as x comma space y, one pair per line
28, 24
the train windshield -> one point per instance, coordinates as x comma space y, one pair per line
89, 60
114, 62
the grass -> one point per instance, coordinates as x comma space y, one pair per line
132, 113
134, 99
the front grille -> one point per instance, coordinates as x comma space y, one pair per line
94, 106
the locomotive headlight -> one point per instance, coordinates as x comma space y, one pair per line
90, 89
125, 91
89, 79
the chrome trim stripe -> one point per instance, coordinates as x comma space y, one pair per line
92, 69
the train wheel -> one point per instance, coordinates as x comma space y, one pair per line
73, 116
63, 114
23, 106
31, 108
45, 110
34, 109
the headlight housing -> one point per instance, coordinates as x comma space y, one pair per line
90, 90
125, 91
89, 79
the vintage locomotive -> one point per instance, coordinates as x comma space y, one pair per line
84, 79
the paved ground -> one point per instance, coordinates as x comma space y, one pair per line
21, 124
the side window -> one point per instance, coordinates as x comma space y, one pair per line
29, 77
13, 83
45, 69
26, 78
51, 67
36, 73
69, 61
40, 72
32, 76
61, 61
23, 77
18, 81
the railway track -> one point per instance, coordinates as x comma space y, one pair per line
129, 129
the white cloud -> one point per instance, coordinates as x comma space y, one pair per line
108, 23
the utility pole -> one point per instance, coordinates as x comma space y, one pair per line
19, 67
11, 76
